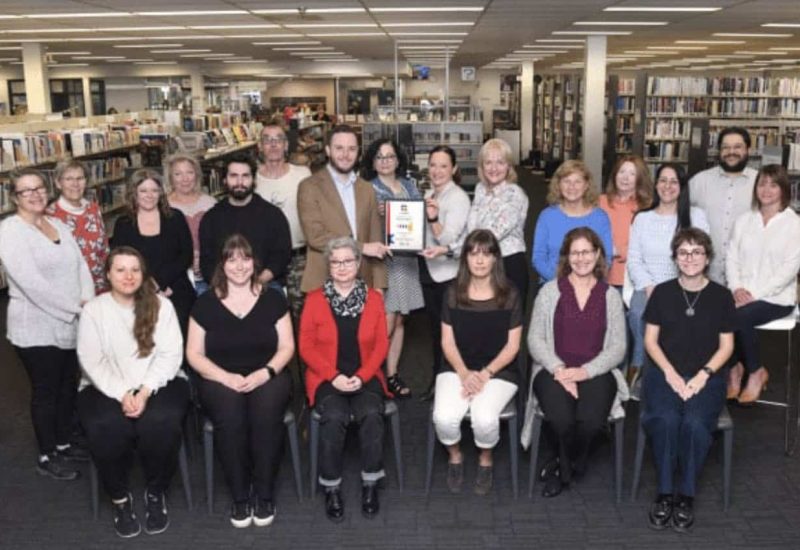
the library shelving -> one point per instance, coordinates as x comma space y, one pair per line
557, 111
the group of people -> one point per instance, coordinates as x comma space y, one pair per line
289, 258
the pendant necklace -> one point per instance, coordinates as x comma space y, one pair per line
690, 306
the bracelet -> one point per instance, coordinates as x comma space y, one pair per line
433, 220
271, 371
708, 370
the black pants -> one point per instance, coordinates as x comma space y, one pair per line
433, 294
335, 409
156, 435
572, 424
248, 433
53, 373
748, 317
516, 268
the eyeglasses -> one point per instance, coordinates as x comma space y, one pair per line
348, 263
73, 179
691, 254
575, 254
273, 140
381, 158
27, 193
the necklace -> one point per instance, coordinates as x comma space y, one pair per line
690, 306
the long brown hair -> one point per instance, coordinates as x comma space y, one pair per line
233, 244
145, 301
137, 178
600, 268
644, 183
482, 240
779, 177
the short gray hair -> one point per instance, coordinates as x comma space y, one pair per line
341, 242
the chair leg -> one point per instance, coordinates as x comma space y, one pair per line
726, 469
294, 448
619, 434
513, 451
637, 462
429, 455
398, 448
95, 490
208, 452
536, 433
313, 441
183, 464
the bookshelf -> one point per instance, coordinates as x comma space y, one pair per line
557, 117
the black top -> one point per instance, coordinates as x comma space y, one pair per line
481, 330
689, 342
262, 223
241, 345
168, 254
348, 358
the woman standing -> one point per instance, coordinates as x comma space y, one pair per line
649, 257
133, 395
240, 341
83, 217
689, 337
162, 235
447, 207
481, 329
343, 343
185, 178
385, 166
761, 268
576, 338
629, 190
573, 199
48, 283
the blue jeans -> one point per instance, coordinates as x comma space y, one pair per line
747, 319
636, 324
680, 432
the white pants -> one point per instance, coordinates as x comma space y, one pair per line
450, 407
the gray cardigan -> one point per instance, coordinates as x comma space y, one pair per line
541, 344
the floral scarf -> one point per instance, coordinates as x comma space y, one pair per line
352, 305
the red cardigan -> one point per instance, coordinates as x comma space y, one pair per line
319, 341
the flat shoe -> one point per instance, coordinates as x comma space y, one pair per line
683, 515
660, 513
455, 477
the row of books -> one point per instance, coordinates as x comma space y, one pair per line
677, 105
667, 150
756, 85
210, 121
626, 103
626, 86
670, 128
754, 107
676, 85
103, 170
110, 197
625, 124
624, 144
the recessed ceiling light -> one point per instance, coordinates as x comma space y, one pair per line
427, 9
75, 15
787, 48
782, 25
148, 45
428, 24
288, 43
593, 33
181, 51
243, 61
131, 29
680, 48
316, 53
344, 34
10, 48
331, 25
222, 27
155, 63
4, 59
194, 12
567, 40
560, 47
761, 52
431, 47
428, 34
68, 64
304, 49
353, 60
710, 42
430, 41
623, 23
752, 35
660, 8
129, 60
64, 53
209, 55
89, 57
47, 30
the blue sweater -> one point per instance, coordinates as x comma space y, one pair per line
551, 227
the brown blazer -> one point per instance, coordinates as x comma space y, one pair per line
323, 218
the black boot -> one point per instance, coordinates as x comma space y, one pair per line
369, 501
334, 505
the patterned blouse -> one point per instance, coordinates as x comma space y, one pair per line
89, 231
502, 210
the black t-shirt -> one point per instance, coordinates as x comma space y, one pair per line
241, 345
481, 330
690, 342
348, 355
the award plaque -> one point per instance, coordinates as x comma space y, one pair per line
405, 225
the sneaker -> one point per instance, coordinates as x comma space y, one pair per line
73, 453
125, 522
156, 518
483, 481
264, 513
455, 477
241, 515
53, 466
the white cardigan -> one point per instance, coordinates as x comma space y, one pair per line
453, 211
109, 354
765, 259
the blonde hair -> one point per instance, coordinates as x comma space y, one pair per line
182, 157
568, 168
504, 149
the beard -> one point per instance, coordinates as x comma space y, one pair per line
241, 193
344, 170
734, 168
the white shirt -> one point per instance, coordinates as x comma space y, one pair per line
453, 211
282, 192
765, 259
724, 199
345, 186
109, 354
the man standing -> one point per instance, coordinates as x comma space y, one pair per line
277, 182
725, 192
335, 202
261, 223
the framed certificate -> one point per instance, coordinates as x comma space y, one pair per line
405, 225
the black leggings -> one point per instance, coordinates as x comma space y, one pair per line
248, 432
156, 435
53, 373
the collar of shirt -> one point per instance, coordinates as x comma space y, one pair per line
68, 207
723, 174
495, 190
449, 185
338, 177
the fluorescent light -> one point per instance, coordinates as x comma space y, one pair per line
10, 17
315, 53
428, 34
710, 42
429, 24
656, 52
88, 57
782, 25
180, 51
662, 8
679, 48
64, 53
47, 30
752, 35
156, 63
761, 52
75, 15
129, 60
288, 43
544, 46
303, 49
9, 48
243, 61
331, 25
566, 40
534, 52
593, 33
427, 9
102, 39
204, 55
149, 46
194, 12
277, 11
9, 58
222, 27
68, 65
787, 48
622, 23
128, 29
344, 34
352, 60
429, 41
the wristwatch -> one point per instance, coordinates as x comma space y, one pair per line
271, 371
708, 370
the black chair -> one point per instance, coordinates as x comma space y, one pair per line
725, 425
208, 451
390, 411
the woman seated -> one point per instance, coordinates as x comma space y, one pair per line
576, 338
133, 395
343, 343
240, 341
689, 336
761, 268
481, 330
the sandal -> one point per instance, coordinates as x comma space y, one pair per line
398, 387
